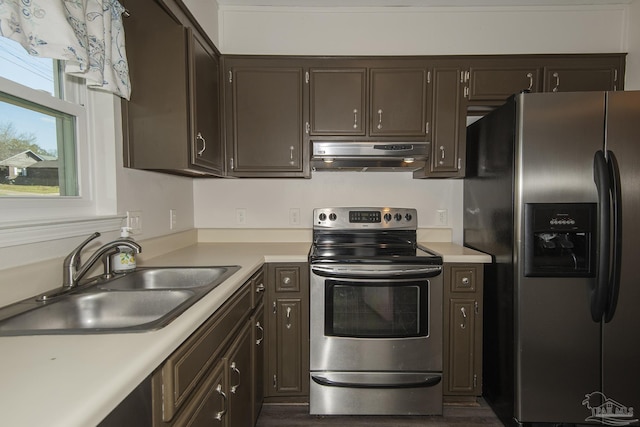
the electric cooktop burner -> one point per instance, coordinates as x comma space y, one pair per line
358, 235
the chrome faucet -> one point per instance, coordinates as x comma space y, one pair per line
72, 269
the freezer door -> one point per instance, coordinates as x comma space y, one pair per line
621, 347
557, 342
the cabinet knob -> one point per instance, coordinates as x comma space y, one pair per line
530, 77
235, 369
204, 143
463, 325
557, 77
465, 281
261, 329
286, 280
218, 416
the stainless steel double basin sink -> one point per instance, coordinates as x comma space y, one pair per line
146, 299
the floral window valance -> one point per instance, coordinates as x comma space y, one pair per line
86, 34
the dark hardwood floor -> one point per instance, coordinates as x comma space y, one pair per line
464, 415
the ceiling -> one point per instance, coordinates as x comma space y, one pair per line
415, 3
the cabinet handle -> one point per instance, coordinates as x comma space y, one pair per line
291, 161
530, 77
218, 416
355, 118
288, 318
236, 370
260, 288
557, 77
307, 127
442, 155
259, 326
204, 143
463, 325
380, 118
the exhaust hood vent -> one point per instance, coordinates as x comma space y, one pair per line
369, 156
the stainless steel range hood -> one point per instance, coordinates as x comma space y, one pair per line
369, 156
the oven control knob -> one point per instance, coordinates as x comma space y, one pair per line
408, 217
398, 217
387, 217
332, 216
322, 216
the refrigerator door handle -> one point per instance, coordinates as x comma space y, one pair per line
614, 284
601, 177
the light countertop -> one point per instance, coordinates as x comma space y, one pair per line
77, 380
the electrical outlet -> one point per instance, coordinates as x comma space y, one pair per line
241, 216
442, 217
294, 216
134, 221
173, 219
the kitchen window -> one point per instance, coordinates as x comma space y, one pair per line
47, 165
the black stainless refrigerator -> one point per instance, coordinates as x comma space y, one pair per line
552, 192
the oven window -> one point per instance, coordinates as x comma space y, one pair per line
376, 310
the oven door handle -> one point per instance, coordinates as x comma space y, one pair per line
357, 271
410, 381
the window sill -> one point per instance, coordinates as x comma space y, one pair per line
22, 233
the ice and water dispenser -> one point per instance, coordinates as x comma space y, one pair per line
560, 239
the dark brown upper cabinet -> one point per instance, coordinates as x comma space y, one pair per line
265, 106
381, 98
338, 101
571, 78
496, 83
448, 118
172, 121
398, 102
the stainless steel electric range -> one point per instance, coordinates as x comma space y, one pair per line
376, 315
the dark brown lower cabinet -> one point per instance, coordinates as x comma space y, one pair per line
287, 321
463, 331
215, 378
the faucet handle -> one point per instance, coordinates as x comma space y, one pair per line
74, 256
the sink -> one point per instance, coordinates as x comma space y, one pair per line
98, 311
146, 299
171, 278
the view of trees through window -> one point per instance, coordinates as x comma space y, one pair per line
37, 141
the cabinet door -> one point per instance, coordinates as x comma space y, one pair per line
206, 141
462, 351
338, 99
266, 129
449, 123
155, 119
209, 406
258, 360
496, 84
287, 378
239, 378
398, 102
580, 79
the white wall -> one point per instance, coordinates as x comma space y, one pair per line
268, 201
633, 40
390, 31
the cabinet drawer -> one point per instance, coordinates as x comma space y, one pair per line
463, 279
187, 365
287, 279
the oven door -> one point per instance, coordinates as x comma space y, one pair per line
373, 317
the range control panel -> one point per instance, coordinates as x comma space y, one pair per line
365, 218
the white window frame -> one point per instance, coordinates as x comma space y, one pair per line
32, 219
